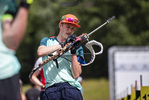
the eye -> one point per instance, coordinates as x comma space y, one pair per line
73, 28
68, 26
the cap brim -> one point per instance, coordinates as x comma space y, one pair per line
76, 25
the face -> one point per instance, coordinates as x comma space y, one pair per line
66, 30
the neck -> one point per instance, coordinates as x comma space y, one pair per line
60, 38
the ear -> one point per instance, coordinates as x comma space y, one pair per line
60, 25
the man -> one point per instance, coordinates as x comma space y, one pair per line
61, 74
35, 79
11, 36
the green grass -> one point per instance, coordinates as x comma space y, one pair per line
26, 87
93, 89
96, 89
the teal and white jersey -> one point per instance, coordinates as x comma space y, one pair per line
53, 74
9, 64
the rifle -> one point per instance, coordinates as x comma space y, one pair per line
68, 47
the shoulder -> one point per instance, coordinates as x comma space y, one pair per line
80, 54
45, 39
80, 50
38, 61
48, 38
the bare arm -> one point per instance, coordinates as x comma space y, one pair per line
16, 32
76, 67
35, 80
44, 50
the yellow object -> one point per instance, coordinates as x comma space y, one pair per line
145, 93
6, 17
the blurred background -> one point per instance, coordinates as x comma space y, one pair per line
129, 28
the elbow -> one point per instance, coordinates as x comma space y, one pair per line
31, 78
39, 53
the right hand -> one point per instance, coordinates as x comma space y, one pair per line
26, 3
43, 87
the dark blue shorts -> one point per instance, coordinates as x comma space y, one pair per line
41, 95
62, 91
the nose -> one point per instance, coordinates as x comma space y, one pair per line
70, 30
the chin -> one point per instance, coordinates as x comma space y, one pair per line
67, 36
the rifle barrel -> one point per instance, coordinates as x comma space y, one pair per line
110, 19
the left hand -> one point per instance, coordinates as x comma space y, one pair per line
75, 47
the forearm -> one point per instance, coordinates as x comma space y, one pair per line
15, 34
36, 81
76, 67
43, 50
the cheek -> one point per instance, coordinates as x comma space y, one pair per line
73, 30
64, 34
